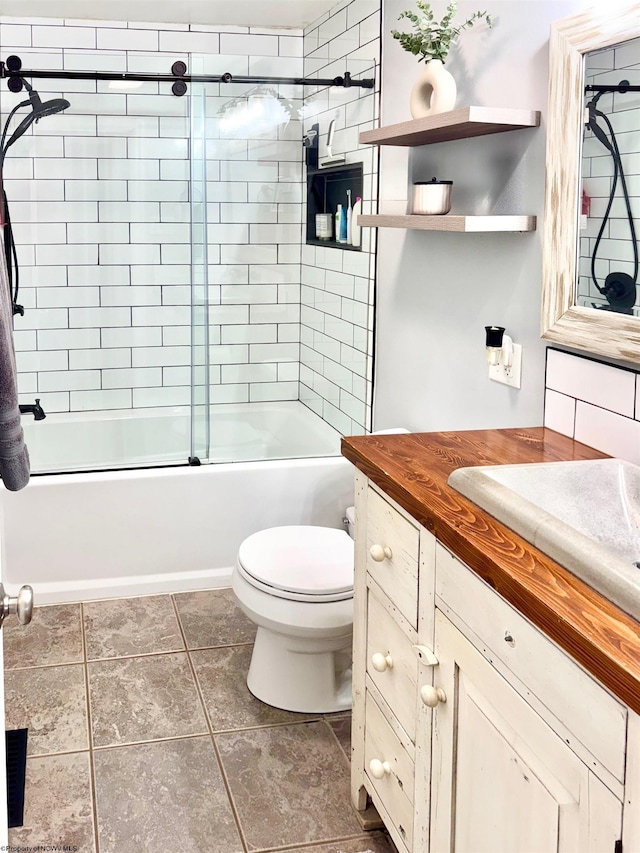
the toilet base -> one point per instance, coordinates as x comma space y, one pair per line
296, 674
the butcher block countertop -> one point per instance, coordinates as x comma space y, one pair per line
413, 470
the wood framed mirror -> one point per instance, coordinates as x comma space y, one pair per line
602, 332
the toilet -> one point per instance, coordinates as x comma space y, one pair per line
296, 584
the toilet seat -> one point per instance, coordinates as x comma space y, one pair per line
299, 563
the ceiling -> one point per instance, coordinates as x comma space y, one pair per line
244, 13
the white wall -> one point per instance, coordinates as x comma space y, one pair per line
100, 201
436, 291
593, 402
336, 361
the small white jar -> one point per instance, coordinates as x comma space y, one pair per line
431, 198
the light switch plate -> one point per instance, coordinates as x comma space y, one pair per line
508, 375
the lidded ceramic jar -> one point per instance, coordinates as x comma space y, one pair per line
432, 197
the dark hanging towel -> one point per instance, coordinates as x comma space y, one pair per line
16, 746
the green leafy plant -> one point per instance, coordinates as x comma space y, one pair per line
433, 40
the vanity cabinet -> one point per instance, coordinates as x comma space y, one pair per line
463, 123
472, 730
503, 780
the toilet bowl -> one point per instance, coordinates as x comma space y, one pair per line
296, 584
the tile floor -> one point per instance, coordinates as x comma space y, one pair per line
144, 737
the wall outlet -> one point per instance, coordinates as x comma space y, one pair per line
508, 375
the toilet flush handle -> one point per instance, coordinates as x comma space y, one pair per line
380, 552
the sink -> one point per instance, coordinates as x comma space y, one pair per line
583, 514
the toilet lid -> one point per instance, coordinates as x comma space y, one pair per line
305, 560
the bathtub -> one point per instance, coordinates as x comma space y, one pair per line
240, 432
93, 535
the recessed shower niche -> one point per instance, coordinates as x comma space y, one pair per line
327, 188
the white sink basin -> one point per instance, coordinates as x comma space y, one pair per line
586, 515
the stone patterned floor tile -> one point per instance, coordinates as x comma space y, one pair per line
50, 702
372, 842
222, 675
131, 626
212, 618
341, 727
54, 636
290, 785
58, 805
180, 802
143, 699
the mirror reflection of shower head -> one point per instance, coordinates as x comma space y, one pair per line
595, 128
619, 288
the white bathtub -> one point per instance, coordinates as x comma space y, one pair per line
93, 535
86, 536
240, 432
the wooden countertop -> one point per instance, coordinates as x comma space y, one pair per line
413, 470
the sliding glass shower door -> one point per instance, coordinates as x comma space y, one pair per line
200, 434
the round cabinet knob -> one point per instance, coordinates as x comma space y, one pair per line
431, 696
21, 605
381, 662
379, 769
379, 553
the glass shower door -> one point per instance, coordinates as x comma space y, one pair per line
200, 428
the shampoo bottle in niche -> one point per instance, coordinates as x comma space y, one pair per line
338, 218
355, 228
341, 224
349, 217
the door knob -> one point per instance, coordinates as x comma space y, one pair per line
380, 552
431, 696
381, 662
21, 604
379, 769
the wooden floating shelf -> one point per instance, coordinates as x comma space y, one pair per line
457, 124
450, 222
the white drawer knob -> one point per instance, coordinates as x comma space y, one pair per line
432, 695
381, 662
380, 552
379, 769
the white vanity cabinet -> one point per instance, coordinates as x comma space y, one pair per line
472, 731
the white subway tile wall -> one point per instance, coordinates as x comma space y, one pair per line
336, 357
595, 403
615, 250
100, 201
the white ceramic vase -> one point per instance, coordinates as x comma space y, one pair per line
434, 91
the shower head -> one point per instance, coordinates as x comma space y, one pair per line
48, 108
39, 109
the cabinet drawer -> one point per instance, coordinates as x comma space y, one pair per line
393, 545
397, 682
579, 709
395, 788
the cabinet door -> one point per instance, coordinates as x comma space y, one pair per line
502, 780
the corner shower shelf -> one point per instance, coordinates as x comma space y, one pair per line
450, 222
464, 123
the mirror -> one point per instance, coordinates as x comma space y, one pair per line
579, 48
